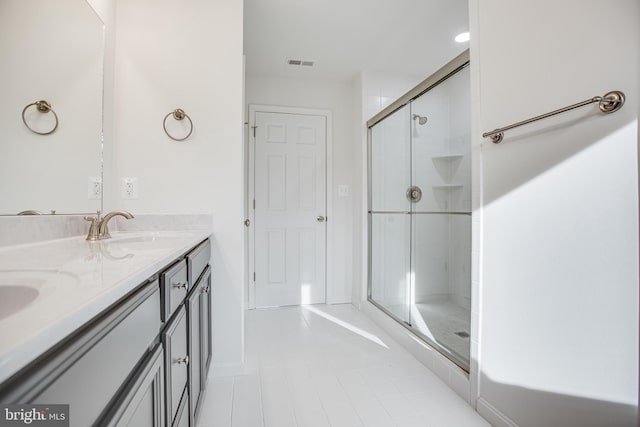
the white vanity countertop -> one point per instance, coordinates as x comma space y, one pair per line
69, 281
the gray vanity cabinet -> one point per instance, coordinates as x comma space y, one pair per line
142, 403
143, 362
174, 339
89, 368
199, 315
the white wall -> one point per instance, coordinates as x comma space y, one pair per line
44, 59
338, 98
380, 89
559, 272
186, 55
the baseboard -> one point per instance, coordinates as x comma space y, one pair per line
493, 415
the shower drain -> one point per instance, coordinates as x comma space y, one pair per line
462, 334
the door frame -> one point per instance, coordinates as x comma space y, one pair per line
250, 191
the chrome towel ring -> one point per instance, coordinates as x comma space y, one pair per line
178, 114
44, 107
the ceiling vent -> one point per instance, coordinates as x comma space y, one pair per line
300, 62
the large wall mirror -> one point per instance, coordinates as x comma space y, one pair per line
51, 51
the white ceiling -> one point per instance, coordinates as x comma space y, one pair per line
345, 37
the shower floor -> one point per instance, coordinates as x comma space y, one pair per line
440, 321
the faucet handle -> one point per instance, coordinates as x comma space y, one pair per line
93, 228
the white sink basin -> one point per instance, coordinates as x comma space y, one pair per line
21, 288
148, 237
15, 298
137, 239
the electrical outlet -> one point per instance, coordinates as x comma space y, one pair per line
94, 187
130, 188
343, 190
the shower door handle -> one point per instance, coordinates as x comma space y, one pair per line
414, 194
321, 218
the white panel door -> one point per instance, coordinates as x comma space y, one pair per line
290, 209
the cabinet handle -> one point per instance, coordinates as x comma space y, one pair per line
181, 360
180, 285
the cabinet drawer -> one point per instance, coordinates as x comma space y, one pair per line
197, 260
174, 285
174, 338
99, 359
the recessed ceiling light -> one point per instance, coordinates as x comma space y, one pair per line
462, 37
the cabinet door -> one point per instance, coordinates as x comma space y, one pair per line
182, 420
194, 316
143, 401
206, 345
199, 340
174, 338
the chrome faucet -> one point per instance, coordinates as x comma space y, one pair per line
99, 229
103, 229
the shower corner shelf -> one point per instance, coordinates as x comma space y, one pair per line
448, 158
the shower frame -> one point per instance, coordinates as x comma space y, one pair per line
448, 70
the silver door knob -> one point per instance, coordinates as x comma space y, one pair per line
320, 218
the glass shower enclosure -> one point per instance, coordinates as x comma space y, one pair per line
420, 210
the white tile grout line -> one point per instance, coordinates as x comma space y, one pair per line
345, 392
286, 378
233, 401
293, 409
260, 392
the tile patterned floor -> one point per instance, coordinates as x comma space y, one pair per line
329, 366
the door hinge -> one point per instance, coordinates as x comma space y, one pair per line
254, 276
254, 204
